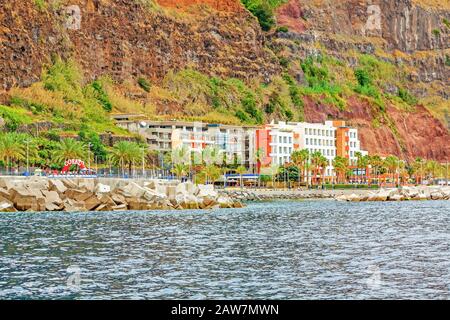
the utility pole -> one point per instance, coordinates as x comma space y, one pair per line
89, 156
446, 174
143, 163
28, 157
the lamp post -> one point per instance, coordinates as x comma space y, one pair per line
28, 156
89, 156
143, 163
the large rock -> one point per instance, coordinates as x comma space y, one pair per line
87, 184
396, 197
92, 202
53, 201
58, 186
119, 199
207, 191
7, 206
225, 201
4, 195
25, 199
187, 187
78, 194
157, 186
102, 188
73, 206
37, 183
133, 190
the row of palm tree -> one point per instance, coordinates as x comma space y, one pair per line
16, 148
314, 164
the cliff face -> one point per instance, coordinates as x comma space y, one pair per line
125, 39
128, 39
413, 35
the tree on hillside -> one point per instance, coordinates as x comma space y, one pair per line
263, 10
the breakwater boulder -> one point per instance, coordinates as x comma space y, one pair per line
400, 194
83, 194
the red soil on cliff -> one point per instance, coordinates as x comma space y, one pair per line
290, 15
419, 134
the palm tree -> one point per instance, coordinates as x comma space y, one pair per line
432, 168
126, 153
180, 170
182, 156
274, 168
377, 164
300, 158
69, 149
418, 170
392, 164
341, 166
211, 155
211, 173
319, 164
11, 149
259, 155
362, 162
241, 170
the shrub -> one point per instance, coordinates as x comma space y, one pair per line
144, 84
436, 32
41, 5
363, 77
283, 29
284, 62
407, 97
13, 117
249, 104
101, 95
241, 115
446, 22
263, 11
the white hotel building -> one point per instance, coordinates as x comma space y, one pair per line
331, 139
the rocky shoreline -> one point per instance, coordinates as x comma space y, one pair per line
84, 194
400, 194
354, 195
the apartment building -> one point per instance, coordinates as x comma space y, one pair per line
236, 142
278, 140
274, 143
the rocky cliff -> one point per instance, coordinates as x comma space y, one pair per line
412, 35
128, 39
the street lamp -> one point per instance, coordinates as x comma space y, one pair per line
28, 157
143, 163
89, 155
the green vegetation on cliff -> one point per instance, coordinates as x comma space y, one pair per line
264, 11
